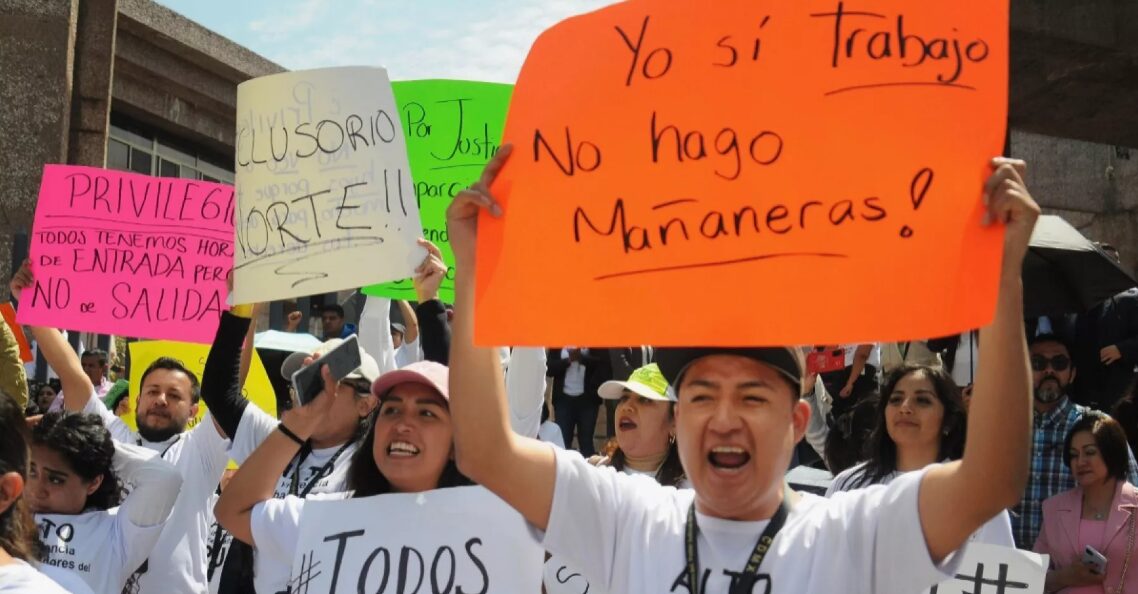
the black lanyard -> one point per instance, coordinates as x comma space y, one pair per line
300, 457
751, 571
138, 441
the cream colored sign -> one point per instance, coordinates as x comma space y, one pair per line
325, 199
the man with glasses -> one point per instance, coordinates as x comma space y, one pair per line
1055, 413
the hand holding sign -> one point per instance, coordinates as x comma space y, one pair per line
21, 280
430, 274
322, 183
452, 128
668, 149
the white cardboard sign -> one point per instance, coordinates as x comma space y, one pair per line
993, 568
325, 199
462, 539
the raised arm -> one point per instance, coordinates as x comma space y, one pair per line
77, 387
410, 322
434, 328
375, 332
248, 352
221, 378
520, 470
13, 378
525, 389
861, 356
956, 499
154, 484
255, 480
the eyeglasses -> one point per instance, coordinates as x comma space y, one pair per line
361, 386
1058, 362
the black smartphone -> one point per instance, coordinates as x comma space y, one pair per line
341, 361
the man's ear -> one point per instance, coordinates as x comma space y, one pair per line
801, 419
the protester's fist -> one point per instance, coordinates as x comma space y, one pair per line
1110, 355
293, 321
22, 279
846, 391
430, 274
462, 214
1008, 202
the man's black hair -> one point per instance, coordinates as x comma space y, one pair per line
333, 307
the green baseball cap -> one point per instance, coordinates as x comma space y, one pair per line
647, 381
116, 393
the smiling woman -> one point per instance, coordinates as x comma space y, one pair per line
408, 448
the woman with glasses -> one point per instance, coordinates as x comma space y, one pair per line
320, 465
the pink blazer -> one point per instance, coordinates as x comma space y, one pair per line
1059, 535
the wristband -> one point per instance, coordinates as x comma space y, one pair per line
244, 310
289, 434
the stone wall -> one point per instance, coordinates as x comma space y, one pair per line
1094, 186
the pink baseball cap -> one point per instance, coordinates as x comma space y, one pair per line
427, 373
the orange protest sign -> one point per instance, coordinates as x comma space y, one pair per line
744, 173
10, 317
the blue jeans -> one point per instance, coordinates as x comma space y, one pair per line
577, 415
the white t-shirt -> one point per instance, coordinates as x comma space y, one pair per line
177, 564
997, 531
550, 432
328, 467
967, 355
574, 376
103, 547
626, 534
561, 578
275, 526
408, 353
18, 577
874, 355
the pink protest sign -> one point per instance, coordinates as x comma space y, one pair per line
128, 254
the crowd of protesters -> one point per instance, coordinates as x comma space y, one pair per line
1016, 434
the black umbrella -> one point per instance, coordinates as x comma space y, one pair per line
1065, 272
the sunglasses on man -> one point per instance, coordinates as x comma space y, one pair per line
1058, 362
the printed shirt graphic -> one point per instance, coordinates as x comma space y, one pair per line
102, 547
256, 425
626, 534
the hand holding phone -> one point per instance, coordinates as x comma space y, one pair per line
1095, 560
342, 360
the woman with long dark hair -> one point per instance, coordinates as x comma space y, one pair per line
921, 421
19, 546
74, 488
408, 448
